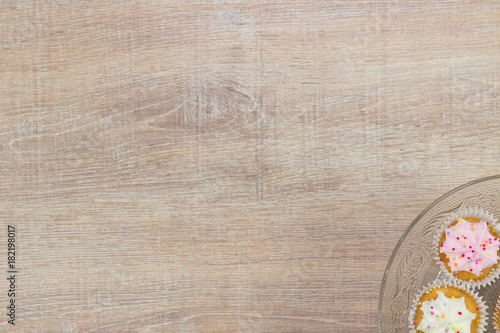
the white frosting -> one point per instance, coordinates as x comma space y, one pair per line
445, 315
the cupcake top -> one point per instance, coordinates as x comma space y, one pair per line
470, 247
445, 315
448, 308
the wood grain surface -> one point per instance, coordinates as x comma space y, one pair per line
231, 166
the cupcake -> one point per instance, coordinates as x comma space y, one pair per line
468, 247
448, 308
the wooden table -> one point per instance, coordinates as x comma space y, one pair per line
231, 166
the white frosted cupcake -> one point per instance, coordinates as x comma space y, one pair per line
468, 247
448, 308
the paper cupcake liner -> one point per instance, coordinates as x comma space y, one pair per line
467, 212
495, 316
482, 308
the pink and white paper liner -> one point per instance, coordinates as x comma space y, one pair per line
463, 213
481, 307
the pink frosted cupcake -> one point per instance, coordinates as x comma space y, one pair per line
468, 247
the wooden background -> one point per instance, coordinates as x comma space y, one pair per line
231, 166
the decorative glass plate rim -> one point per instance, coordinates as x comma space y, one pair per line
407, 231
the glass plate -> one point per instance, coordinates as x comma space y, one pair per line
412, 263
